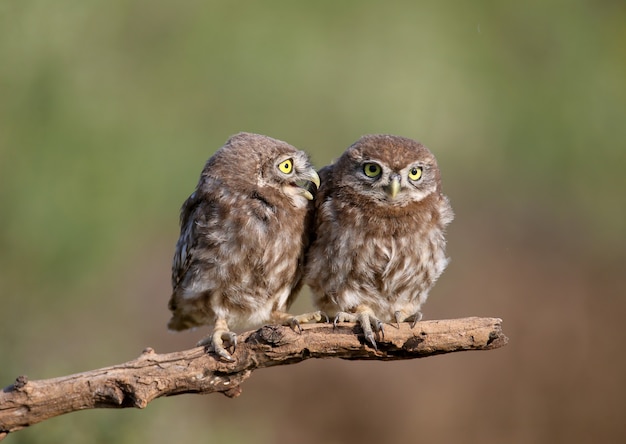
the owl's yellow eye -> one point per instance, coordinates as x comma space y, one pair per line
372, 169
415, 173
286, 166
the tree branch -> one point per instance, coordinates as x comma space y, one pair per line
137, 382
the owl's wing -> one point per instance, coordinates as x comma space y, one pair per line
186, 244
197, 220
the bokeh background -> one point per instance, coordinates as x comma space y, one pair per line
109, 109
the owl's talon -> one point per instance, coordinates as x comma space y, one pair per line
216, 342
282, 318
380, 328
369, 323
416, 318
342, 316
223, 354
204, 342
295, 325
231, 338
370, 338
316, 316
398, 317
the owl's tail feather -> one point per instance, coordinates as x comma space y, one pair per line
186, 314
181, 320
177, 324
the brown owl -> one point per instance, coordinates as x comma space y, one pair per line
243, 234
378, 244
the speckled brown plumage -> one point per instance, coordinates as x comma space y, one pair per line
238, 261
378, 243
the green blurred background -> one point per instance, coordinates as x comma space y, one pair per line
109, 109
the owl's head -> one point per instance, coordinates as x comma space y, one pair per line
264, 167
388, 170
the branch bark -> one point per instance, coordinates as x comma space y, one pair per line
151, 375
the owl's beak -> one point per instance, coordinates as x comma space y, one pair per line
309, 175
394, 187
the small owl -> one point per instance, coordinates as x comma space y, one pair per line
243, 234
378, 243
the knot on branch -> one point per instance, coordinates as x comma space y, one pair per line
413, 343
118, 394
146, 352
274, 335
18, 385
20, 382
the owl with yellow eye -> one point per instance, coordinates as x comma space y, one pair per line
243, 234
378, 234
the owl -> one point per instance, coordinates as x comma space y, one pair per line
243, 233
378, 242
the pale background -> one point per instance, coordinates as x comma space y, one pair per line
109, 109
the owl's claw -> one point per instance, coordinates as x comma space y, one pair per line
398, 317
342, 316
295, 321
295, 325
370, 338
368, 322
416, 318
216, 343
380, 328
369, 331
222, 353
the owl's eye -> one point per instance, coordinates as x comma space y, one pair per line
286, 166
415, 173
372, 169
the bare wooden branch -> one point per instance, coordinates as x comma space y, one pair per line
151, 375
